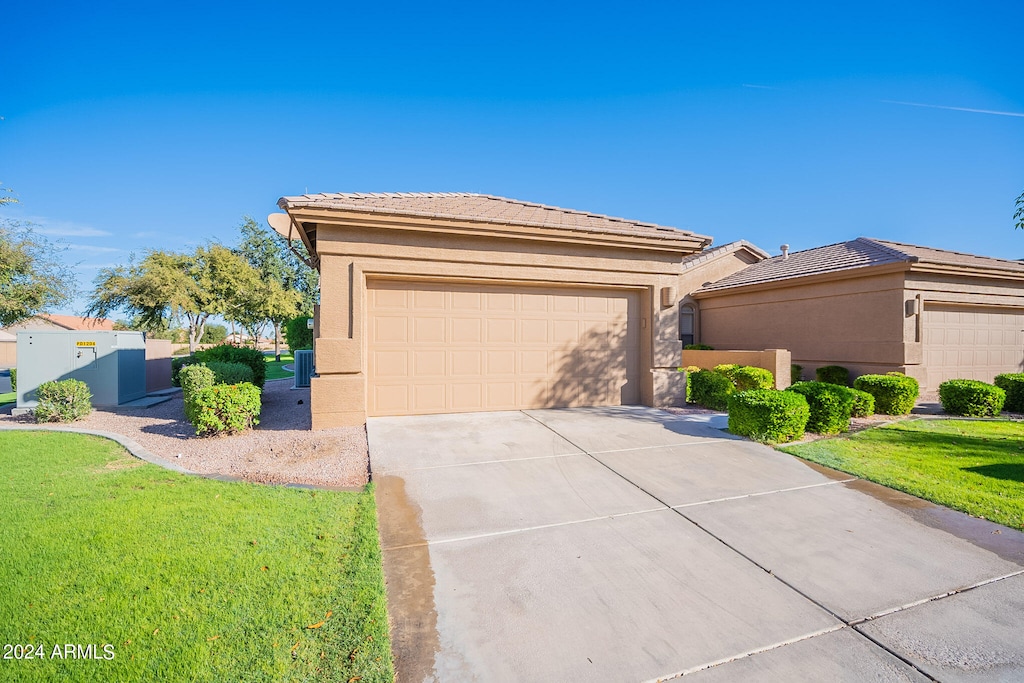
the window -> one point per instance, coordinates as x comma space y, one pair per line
686, 324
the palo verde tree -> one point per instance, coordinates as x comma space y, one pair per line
291, 285
33, 279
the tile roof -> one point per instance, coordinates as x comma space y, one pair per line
74, 322
485, 208
862, 252
694, 260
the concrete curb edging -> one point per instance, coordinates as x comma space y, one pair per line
136, 450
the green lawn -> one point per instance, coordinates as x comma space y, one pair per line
976, 466
187, 578
274, 368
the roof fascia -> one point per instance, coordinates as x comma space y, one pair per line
816, 278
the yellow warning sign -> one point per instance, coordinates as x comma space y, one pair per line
85, 343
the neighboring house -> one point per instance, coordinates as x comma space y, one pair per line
8, 350
48, 321
441, 302
874, 306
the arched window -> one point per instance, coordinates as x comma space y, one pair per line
687, 325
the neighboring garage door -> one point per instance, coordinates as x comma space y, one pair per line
972, 343
440, 348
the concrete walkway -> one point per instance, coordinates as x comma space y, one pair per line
628, 544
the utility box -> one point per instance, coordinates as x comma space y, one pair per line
112, 364
303, 368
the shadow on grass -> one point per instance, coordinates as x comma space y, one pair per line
1007, 471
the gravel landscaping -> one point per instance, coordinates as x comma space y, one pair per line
282, 449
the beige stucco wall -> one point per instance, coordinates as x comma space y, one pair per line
8, 354
352, 253
857, 322
776, 361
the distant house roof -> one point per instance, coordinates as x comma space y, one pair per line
7, 336
485, 208
862, 252
81, 323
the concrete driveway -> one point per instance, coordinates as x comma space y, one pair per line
629, 544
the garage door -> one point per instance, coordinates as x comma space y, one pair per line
438, 348
972, 343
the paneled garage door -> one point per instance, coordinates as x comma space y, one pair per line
972, 343
440, 348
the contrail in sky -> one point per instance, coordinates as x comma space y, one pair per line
939, 106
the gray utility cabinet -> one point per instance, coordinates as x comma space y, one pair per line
113, 364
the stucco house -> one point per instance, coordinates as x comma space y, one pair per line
51, 321
456, 302
874, 306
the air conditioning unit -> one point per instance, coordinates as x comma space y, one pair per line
303, 368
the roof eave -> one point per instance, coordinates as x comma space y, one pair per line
813, 278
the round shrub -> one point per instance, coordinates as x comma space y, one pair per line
14, 379
830, 406
767, 415
194, 378
894, 393
64, 401
226, 353
863, 404
226, 409
971, 398
727, 369
710, 389
748, 377
230, 373
1012, 383
177, 364
833, 374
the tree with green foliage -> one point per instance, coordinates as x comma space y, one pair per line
166, 286
33, 279
270, 255
1019, 214
214, 334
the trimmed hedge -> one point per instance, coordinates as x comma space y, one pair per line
767, 415
710, 389
225, 353
14, 379
230, 373
698, 347
833, 374
1011, 382
747, 377
796, 373
830, 406
226, 408
194, 378
863, 404
64, 401
971, 398
894, 393
297, 335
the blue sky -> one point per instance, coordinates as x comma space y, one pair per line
127, 127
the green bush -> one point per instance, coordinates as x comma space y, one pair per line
833, 374
971, 398
230, 373
226, 409
297, 335
863, 404
795, 373
64, 401
727, 369
226, 353
747, 377
698, 347
767, 415
14, 379
1012, 383
710, 389
830, 406
894, 393
177, 364
194, 378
